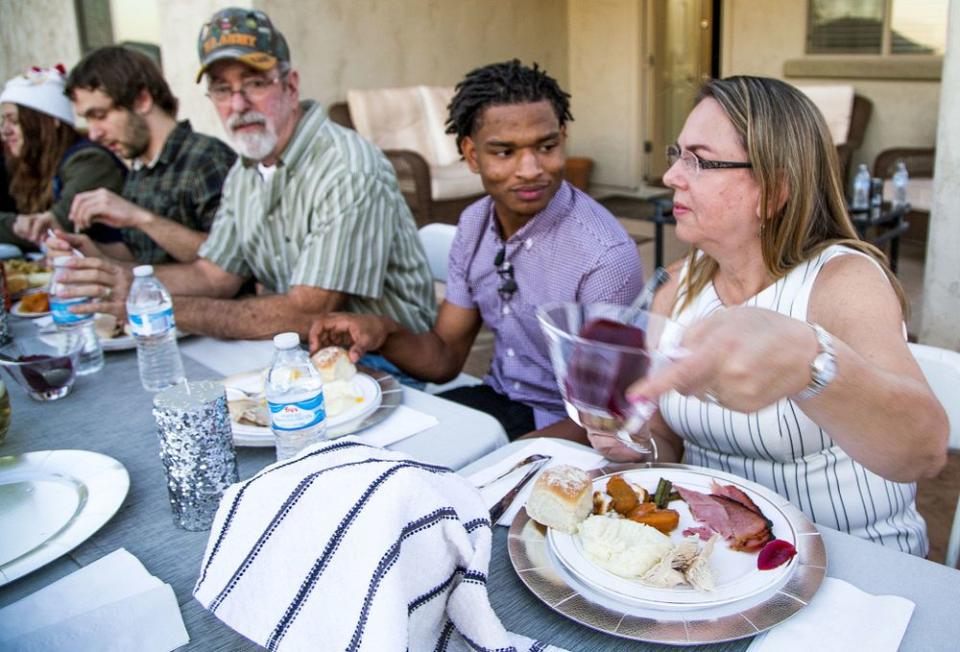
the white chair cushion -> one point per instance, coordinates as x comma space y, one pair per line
435, 101
835, 101
453, 181
392, 118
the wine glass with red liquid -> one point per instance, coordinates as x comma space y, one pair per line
44, 365
598, 351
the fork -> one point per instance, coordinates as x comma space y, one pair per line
536, 457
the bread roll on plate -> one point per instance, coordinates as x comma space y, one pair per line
333, 363
561, 498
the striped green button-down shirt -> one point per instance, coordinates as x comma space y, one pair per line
331, 216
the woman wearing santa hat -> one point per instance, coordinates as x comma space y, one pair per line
49, 160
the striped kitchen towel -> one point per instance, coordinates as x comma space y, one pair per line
354, 547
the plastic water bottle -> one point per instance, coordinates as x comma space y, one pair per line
901, 178
150, 315
90, 359
294, 392
861, 189
876, 199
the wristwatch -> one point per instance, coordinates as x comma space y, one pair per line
823, 369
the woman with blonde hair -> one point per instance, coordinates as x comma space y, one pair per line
799, 376
50, 162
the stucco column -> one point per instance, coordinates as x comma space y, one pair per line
940, 324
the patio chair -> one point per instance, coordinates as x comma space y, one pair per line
920, 161
436, 240
847, 115
941, 367
408, 124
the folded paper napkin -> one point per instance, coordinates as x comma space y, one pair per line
840, 618
580, 456
404, 422
357, 548
111, 604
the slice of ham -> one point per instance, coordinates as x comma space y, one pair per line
701, 531
730, 491
746, 529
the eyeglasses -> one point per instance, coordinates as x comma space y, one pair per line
508, 286
252, 89
694, 164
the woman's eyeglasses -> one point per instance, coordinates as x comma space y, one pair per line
508, 286
694, 164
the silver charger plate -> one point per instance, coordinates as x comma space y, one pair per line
51, 502
543, 573
391, 395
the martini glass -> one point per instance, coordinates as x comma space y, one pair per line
598, 351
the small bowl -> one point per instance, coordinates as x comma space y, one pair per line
45, 365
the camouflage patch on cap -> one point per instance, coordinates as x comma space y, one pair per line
246, 35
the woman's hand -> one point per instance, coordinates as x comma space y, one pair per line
34, 227
742, 358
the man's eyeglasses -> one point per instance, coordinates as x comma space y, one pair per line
508, 286
694, 164
252, 89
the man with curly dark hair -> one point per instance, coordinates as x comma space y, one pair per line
533, 239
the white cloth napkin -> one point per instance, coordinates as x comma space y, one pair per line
404, 422
354, 547
841, 618
228, 357
582, 457
111, 604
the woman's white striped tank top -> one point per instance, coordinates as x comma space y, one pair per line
784, 450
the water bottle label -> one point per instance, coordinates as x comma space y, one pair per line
60, 310
298, 415
154, 323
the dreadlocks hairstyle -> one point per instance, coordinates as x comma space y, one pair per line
498, 84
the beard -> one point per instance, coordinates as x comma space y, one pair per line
256, 145
136, 137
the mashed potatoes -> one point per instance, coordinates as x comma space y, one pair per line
622, 546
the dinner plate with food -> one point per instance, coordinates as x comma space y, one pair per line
349, 397
25, 275
667, 553
32, 305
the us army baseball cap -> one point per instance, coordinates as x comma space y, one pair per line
245, 35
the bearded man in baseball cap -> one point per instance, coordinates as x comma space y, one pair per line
312, 211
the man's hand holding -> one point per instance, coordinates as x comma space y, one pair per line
106, 283
102, 205
359, 333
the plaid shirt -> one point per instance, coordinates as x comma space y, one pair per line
183, 185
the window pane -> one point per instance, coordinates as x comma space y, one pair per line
845, 26
918, 26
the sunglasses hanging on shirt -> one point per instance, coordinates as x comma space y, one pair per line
508, 286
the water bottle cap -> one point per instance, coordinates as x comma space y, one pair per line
286, 340
143, 270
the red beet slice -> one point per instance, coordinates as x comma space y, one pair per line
776, 553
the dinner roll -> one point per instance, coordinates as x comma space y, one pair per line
333, 363
561, 498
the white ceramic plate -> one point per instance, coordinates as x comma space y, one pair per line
736, 575
17, 312
251, 383
52, 501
